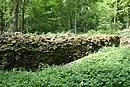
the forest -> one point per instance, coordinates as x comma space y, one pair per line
76, 16
64, 43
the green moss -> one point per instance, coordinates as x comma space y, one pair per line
29, 50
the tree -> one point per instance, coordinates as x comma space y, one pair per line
75, 19
1, 16
15, 22
2, 20
64, 15
22, 15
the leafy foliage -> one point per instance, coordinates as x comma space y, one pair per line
66, 15
108, 68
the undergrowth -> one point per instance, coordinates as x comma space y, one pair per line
110, 67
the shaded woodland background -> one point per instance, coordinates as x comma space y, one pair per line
76, 16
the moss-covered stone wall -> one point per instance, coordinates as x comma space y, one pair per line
29, 50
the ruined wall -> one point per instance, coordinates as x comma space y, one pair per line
29, 50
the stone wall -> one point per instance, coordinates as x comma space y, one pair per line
29, 50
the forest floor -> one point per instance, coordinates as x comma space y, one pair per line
109, 67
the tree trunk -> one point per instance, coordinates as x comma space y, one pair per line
2, 20
69, 25
115, 14
22, 15
127, 18
15, 22
60, 13
75, 19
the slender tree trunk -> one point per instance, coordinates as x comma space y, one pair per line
127, 18
69, 14
4, 13
28, 19
60, 13
69, 26
69, 20
8, 17
2, 20
75, 20
22, 15
123, 17
15, 22
115, 14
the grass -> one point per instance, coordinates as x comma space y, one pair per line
110, 67
121, 33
